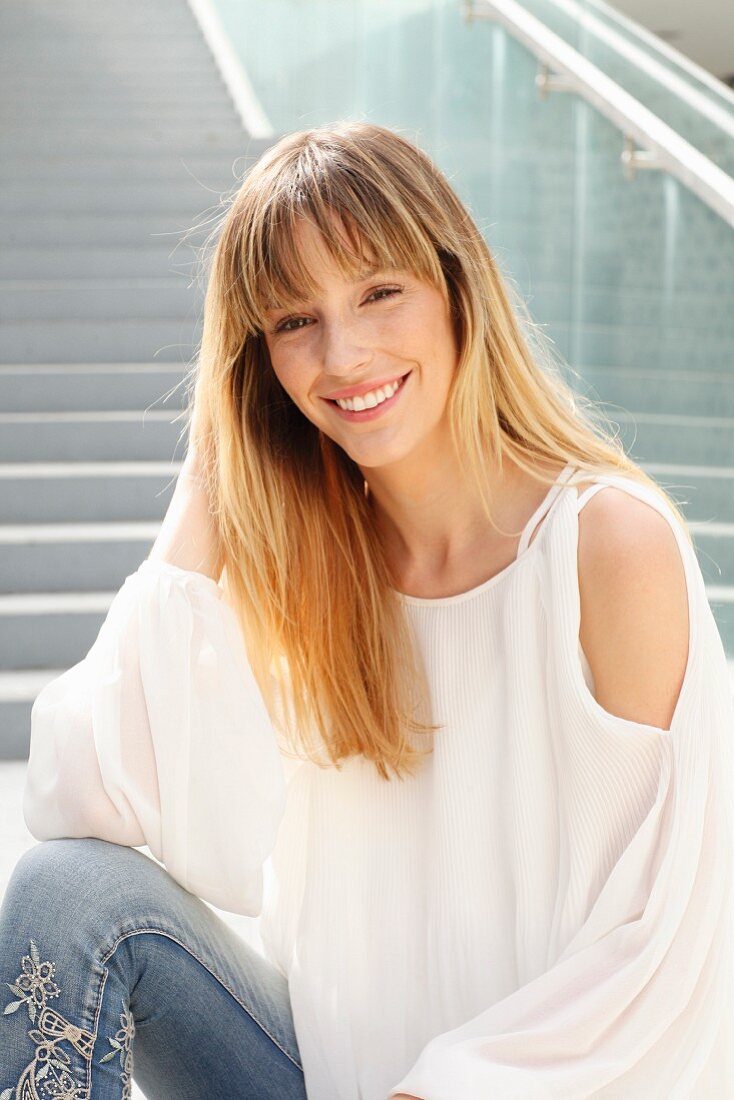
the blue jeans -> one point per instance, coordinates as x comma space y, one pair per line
109, 970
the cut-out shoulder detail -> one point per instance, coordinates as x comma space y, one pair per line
535, 522
611, 659
585, 491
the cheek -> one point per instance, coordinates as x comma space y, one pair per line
299, 383
291, 374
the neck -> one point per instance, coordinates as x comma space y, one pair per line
431, 517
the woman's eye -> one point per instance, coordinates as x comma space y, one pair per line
385, 290
291, 324
284, 326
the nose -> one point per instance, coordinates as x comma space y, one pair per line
343, 353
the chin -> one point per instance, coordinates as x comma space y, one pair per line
375, 460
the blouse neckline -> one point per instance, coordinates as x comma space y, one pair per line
522, 552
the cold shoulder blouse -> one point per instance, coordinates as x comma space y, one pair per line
543, 911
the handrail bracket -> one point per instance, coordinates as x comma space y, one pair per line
547, 81
634, 159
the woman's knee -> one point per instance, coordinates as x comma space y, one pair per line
65, 874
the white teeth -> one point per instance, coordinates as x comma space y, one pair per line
368, 400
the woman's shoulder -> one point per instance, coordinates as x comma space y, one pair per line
622, 518
634, 626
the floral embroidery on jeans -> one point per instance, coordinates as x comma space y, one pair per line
123, 1042
47, 1076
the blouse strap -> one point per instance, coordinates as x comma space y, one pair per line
543, 507
587, 494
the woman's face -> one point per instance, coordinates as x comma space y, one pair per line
356, 338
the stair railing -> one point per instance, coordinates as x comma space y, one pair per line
648, 142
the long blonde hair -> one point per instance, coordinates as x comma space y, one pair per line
304, 568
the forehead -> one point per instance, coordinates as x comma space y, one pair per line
307, 252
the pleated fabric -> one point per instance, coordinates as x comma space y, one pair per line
544, 911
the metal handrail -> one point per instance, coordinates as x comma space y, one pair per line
703, 76
568, 70
641, 60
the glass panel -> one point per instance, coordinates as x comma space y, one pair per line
701, 110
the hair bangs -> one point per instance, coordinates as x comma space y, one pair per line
360, 235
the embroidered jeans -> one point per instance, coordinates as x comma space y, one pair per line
111, 970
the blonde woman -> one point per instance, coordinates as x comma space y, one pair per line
420, 671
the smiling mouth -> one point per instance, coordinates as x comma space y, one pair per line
400, 379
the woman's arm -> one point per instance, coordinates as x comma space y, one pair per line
188, 536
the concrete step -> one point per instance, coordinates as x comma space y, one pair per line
84, 387
122, 196
133, 57
177, 132
215, 173
85, 18
151, 67
40, 300
82, 17
18, 690
159, 164
169, 340
90, 114
135, 143
85, 492
80, 557
146, 95
153, 434
58, 41
93, 31
49, 630
145, 259
76, 228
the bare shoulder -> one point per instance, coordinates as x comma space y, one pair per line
634, 606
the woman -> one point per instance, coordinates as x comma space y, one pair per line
455, 723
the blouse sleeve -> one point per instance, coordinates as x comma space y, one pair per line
160, 737
637, 1003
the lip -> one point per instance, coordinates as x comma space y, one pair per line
364, 387
377, 410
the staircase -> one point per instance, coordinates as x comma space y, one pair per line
117, 136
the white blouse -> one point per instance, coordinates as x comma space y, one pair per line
543, 911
